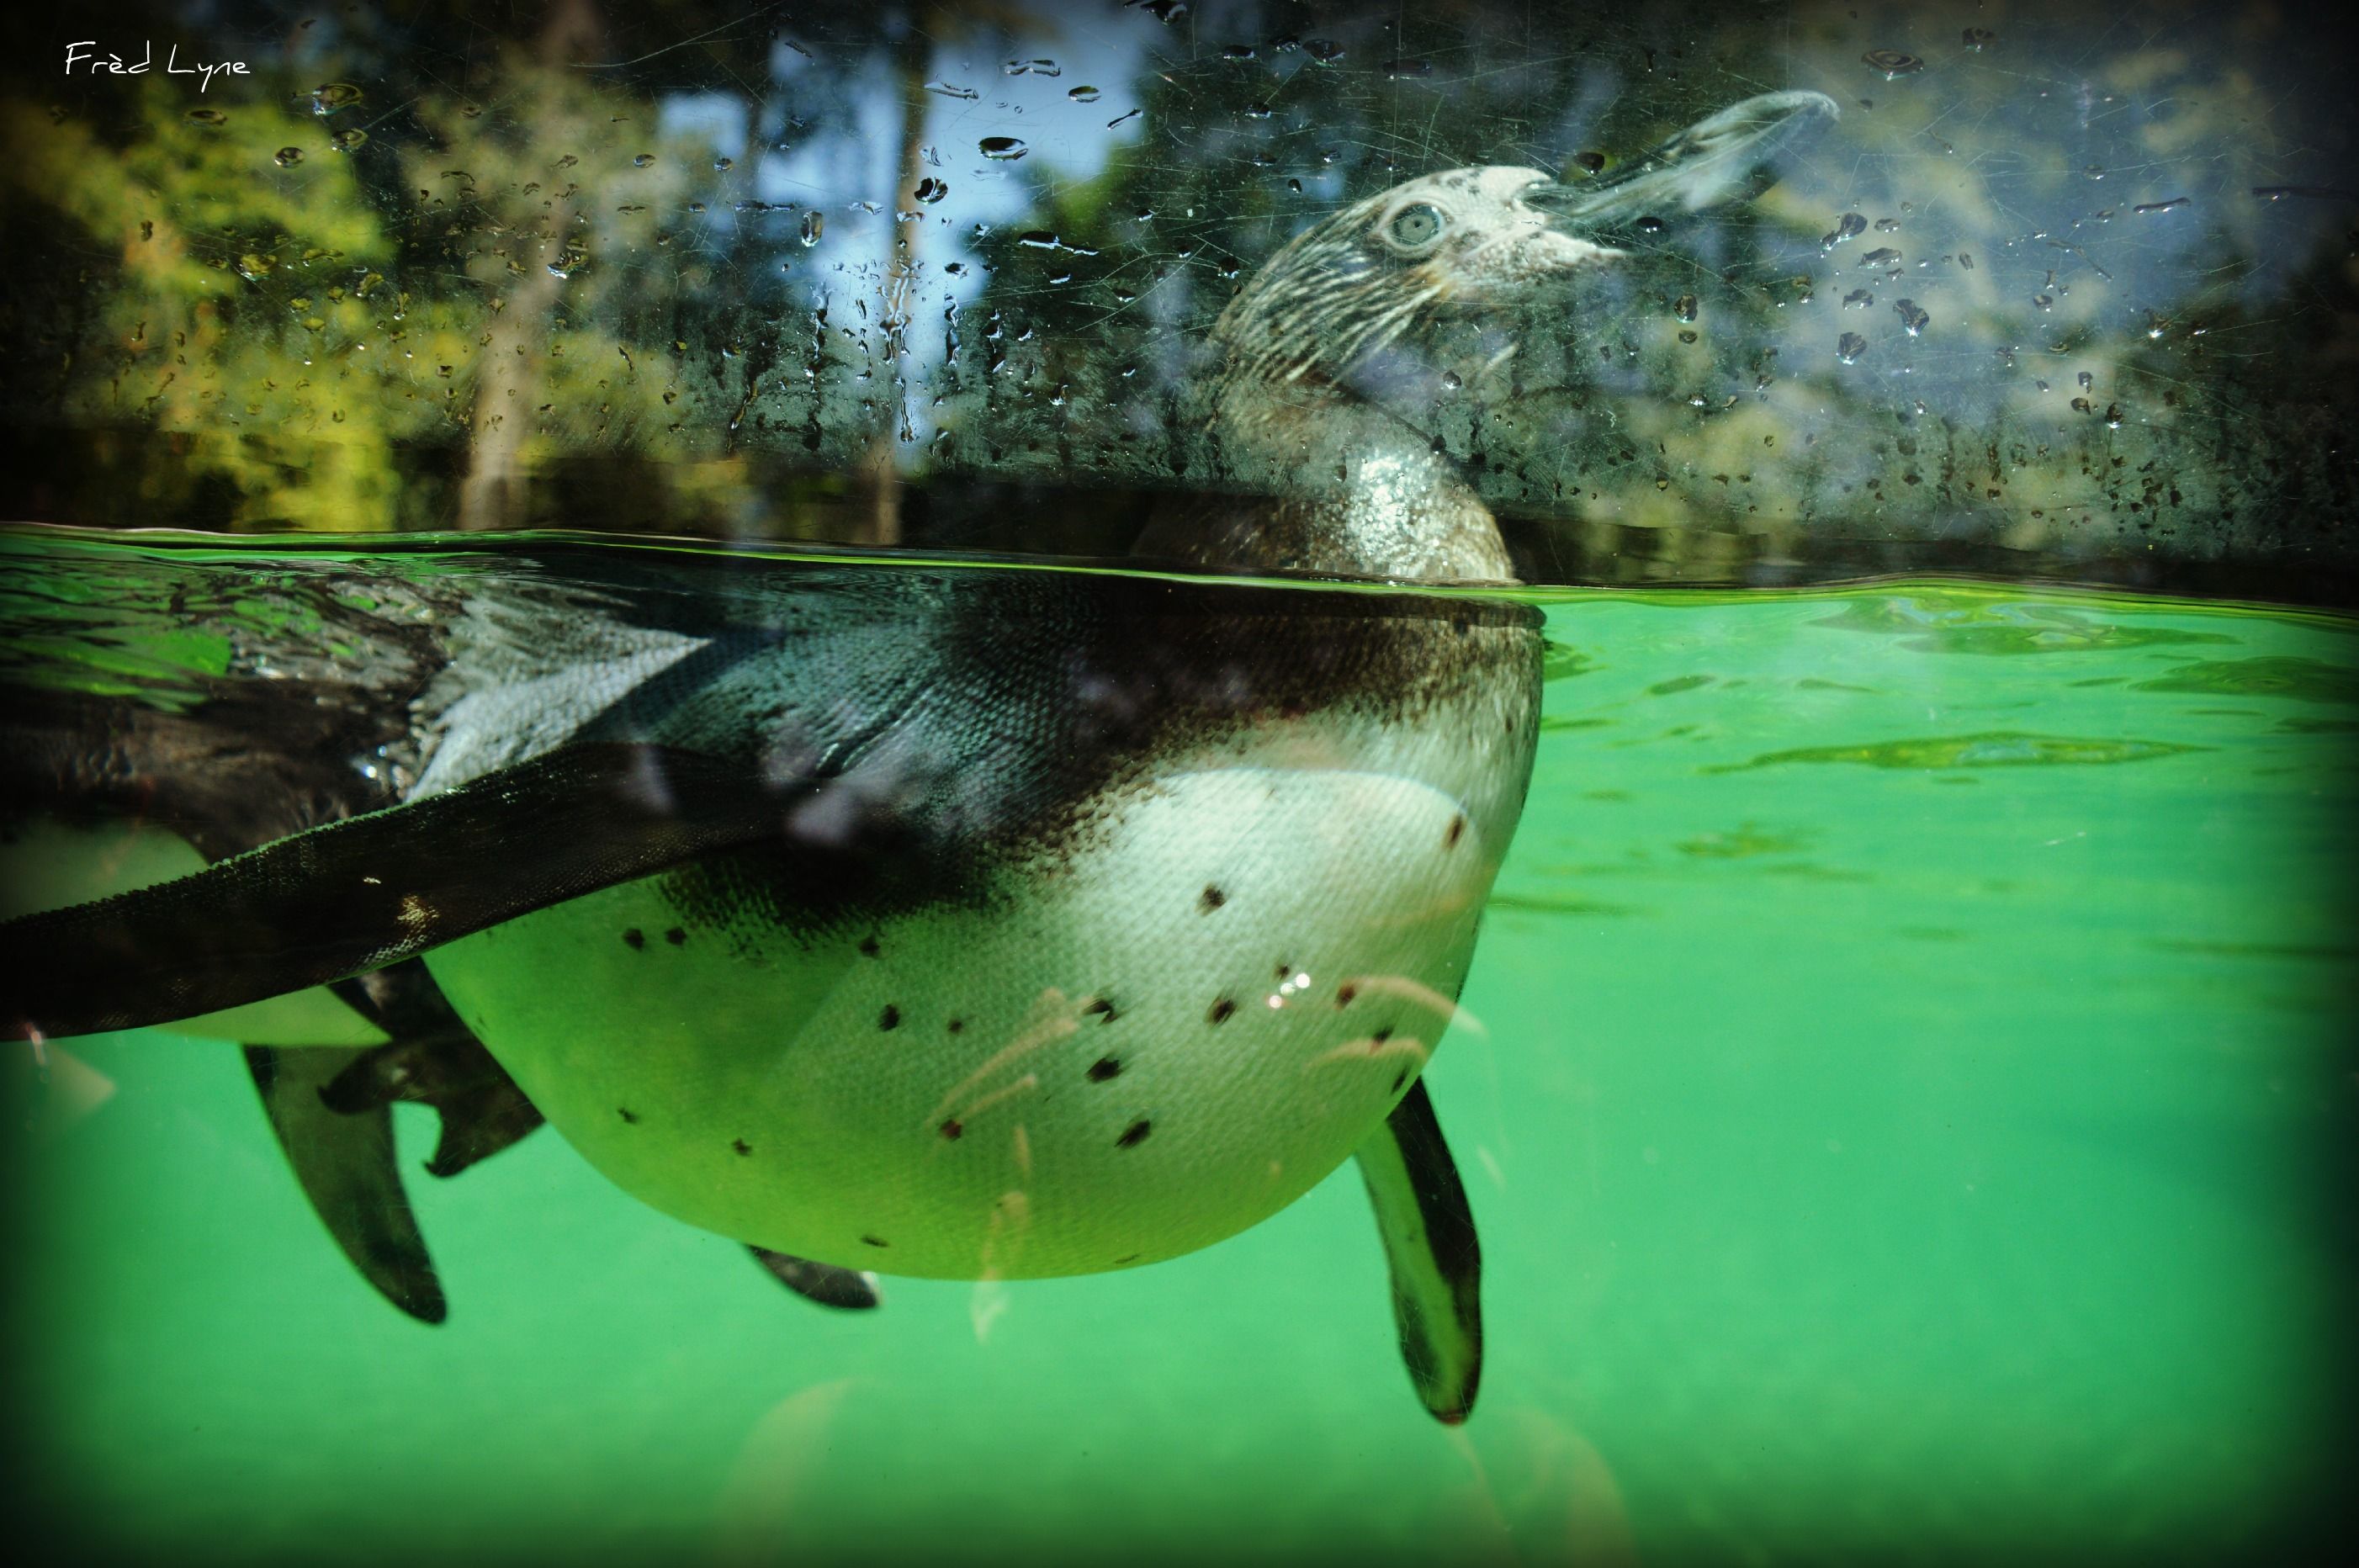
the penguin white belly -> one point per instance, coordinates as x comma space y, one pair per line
1116, 1057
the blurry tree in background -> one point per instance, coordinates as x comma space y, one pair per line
2066, 289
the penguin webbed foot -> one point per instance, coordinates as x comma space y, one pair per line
482, 1110
848, 1289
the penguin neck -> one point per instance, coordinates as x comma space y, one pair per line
1364, 492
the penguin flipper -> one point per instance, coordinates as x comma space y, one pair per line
345, 1165
822, 1282
358, 894
1431, 1249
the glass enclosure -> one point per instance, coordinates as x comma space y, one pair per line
1859, 494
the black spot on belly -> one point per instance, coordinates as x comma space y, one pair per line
890, 1018
951, 1130
957, 1024
1220, 1011
1345, 993
1126, 1258
1383, 1034
875, 1241
634, 939
868, 946
1285, 970
1399, 1078
1135, 1134
1102, 1009
741, 1146
675, 936
1211, 898
1103, 1068
1457, 831
630, 1117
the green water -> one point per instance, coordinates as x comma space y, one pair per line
1911, 1115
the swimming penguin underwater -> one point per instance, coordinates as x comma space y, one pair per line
927, 919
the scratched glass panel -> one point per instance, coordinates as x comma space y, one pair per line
1902, 1082
2055, 290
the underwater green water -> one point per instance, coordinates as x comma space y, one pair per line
1911, 1116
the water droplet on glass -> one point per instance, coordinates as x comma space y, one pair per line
1397, 68
1082, 94
1649, 225
2163, 206
644, 160
348, 140
2043, 301
1911, 317
1005, 149
2085, 379
207, 117
1238, 52
1032, 67
1893, 63
1859, 297
1684, 308
1322, 51
1887, 225
329, 97
1039, 239
814, 225
955, 269
946, 90
1125, 114
724, 164
1166, 11
1451, 381
1978, 37
2113, 415
1589, 162
1883, 255
931, 190
1256, 111
1849, 348
289, 156
2094, 171
255, 268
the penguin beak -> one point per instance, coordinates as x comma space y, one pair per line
1720, 157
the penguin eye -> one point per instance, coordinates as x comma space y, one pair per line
1414, 228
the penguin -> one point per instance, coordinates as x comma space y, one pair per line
932, 918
